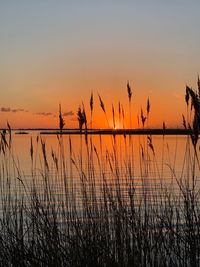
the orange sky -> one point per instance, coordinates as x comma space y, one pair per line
55, 53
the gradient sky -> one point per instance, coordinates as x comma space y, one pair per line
55, 52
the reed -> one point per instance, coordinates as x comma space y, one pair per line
97, 209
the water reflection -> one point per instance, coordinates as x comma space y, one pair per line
98, 161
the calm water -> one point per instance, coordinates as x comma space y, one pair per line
101, 160
169, 150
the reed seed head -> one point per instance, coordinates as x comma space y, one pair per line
148, 106
102, 104
129, 91
61, 120
91, 103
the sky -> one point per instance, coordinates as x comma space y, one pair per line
58, 52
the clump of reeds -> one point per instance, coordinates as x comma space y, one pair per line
100, 213
82, 120
195, 106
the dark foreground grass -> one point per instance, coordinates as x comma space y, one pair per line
106, 216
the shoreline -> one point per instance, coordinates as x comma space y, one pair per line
120, 132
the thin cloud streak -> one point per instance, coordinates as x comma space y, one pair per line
18, 110
8, 109
3, 109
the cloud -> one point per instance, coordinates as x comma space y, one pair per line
44, 113
69, 113
65, 114
14, 110
3, 109
18, 110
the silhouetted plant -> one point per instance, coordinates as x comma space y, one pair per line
195, 105
61, 120
103, 108
148, 107
129, 91
91, 106
92, 209
143, 118
82, 120
129, 98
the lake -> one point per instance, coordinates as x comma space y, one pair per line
102, 199
149, 162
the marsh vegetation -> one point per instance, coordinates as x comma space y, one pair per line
97, 207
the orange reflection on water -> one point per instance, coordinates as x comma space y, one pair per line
169, 151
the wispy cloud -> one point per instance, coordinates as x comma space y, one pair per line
3, 109
68, 113
18, 110
14, 110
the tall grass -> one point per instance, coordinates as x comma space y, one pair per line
97, 208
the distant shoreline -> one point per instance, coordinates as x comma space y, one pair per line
120, 132
75, 131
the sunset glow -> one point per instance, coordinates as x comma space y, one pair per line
55, 53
